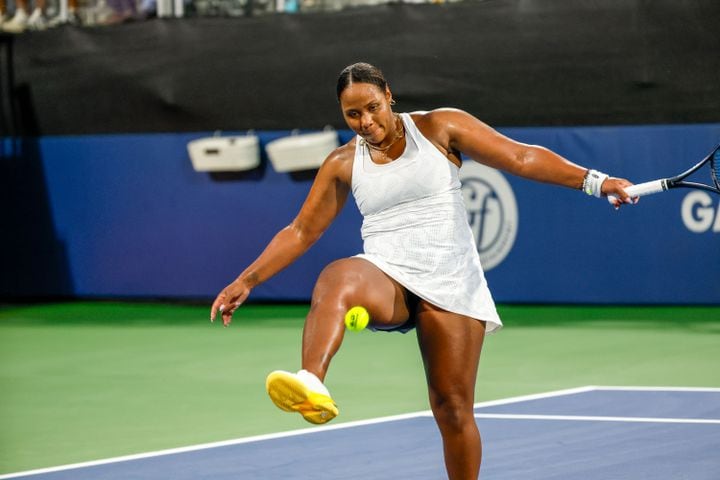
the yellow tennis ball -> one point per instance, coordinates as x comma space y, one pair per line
357, 318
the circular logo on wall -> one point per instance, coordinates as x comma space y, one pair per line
492, 211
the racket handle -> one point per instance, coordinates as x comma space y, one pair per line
642, 189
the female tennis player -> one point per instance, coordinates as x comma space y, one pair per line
420, 267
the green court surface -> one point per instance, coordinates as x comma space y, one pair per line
88, 380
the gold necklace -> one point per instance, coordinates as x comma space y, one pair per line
399, 133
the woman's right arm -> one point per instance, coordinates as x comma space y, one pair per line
324, 202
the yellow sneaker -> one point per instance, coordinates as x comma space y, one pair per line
301, 392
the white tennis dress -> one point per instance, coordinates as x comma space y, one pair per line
415, 227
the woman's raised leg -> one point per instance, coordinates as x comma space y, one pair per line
341, 285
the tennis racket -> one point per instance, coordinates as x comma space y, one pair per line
678, 181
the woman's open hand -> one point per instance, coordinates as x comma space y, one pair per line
228, 300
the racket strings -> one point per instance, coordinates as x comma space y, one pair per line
715, 168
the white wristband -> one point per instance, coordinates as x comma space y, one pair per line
592, 184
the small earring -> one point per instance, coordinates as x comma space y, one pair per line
392, 101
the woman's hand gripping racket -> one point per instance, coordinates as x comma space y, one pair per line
678, 181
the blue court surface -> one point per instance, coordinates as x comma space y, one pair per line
587, 433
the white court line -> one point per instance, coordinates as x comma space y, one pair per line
292, 433
583, 418
658, 389
535, 396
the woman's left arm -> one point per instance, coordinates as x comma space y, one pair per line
468, 135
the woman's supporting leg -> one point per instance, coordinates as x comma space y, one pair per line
450, 345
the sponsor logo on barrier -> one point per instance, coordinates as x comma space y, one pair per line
492, 212
699, 212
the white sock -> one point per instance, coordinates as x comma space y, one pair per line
313, 382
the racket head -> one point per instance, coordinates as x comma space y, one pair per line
713, 161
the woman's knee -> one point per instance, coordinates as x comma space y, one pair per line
341, 279
453, 409
355, 281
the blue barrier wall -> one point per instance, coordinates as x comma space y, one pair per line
130, 218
